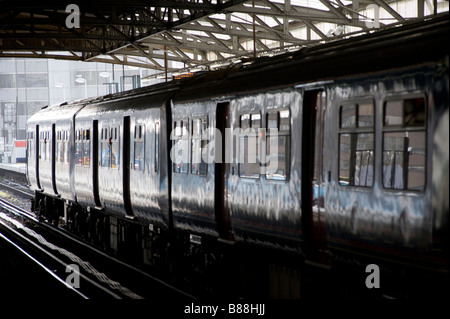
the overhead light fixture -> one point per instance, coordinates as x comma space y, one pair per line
104, 74
335, 32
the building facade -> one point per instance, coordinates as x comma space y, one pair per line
26, 85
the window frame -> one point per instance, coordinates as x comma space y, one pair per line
78, 148
156, 158
203, 142
182, 136
354, 131
245, 136
115, 142
280, 133
402, 128
104, 140
141, 128
86, 141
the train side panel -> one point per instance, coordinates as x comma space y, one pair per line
111, 165
192, 170
32, 155
63, 157
265, 206
379, 199
46, 156
148, 178
117, 169
50, 161
86, 158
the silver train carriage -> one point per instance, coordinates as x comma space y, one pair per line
340, 150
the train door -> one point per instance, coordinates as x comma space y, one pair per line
222, 172
313, 204
126, 166
36, 156
53, 157
94, 162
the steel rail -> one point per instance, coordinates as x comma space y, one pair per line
65, 234
37, 262
16, 190
17, 211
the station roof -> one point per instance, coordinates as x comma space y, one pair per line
171, 35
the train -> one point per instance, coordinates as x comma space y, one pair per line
269, 177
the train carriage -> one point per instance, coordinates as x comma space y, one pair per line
50, 145
264, 181
379, 197
193, 170
122, 174
333, 153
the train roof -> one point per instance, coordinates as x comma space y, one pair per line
391, 48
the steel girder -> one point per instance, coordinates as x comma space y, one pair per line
153, 33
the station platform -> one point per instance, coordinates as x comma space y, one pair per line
14, 172
20, 168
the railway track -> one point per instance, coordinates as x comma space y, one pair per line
18, 189
56, 251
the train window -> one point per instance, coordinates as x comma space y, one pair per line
30, 144
115, 147
404, 144
86, 148
245, 121
156, 147
78, 148
47, 146
62, 145
180, 154
59, 147
105, 148
356, 144
256, 121
348, 116
249, 160
66, 147
278, 145
40, 145
139, 144
44, 147
198, 165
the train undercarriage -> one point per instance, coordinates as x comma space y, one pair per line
209, 268
205, 266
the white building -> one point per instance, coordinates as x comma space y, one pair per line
26, 85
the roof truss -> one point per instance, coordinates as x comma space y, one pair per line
166, 35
